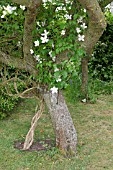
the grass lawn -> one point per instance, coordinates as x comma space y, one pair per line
94, 124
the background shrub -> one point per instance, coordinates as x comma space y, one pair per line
101, 64
7, 103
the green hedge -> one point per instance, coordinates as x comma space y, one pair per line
101, 64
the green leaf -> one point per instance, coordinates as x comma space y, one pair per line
64, 74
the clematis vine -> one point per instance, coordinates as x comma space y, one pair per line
54, 34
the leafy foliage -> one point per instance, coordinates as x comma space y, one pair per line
7, 103
96, 87
101, 64
54, 34
8, 97
57, 28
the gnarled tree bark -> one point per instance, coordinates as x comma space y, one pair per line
66, 136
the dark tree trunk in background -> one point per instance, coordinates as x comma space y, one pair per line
84, 87
66, 137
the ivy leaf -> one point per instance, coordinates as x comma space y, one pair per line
64, 74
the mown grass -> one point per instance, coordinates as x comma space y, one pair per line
94, 124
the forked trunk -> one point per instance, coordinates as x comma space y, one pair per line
66, 136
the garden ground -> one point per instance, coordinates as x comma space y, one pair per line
94, 124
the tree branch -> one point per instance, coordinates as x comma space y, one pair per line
30, 18
28, 3
96, 26
12, 61
21, 2
28, 63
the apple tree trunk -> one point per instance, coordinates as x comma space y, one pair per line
66, 136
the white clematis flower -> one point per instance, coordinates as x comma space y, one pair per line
22, 7
63, 32
54, 90
84, 26
36, 43
45, 33
78, 30
31, 51
44, 39
80, 19
81, 37
59, 80
84, 100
